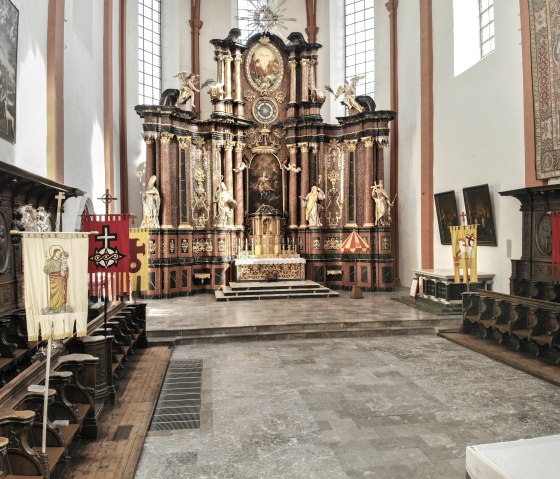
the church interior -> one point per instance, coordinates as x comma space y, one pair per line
279, 238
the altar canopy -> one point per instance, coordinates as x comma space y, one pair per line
55, 284
354, 244
109, 254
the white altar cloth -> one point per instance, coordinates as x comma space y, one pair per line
535, 458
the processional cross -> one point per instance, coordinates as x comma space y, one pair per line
59, 199
463, 218
107, 199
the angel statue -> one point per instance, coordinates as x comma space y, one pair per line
188, 88
349, 92
312, 206
225, 202
150, 205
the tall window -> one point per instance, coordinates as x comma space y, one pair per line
149, 51
244, 10
359, 36
487, 43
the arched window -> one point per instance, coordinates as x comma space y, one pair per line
149, 51
359, 44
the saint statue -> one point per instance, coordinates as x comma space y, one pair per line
312, 206
43, 219
187, 89
150, 205
383, 204
57, 268
225, 203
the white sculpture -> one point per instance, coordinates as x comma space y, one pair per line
225, 203
43, 220
383, 204
187, 89
151, 202
349, 92
312, 206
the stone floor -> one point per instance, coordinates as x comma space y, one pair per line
387, 407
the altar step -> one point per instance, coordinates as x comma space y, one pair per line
334, 329
260, 290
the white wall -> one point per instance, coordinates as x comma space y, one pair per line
409, 138
30, 150
478, 132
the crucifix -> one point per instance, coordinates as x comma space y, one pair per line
59, 199
107, 199
463, 218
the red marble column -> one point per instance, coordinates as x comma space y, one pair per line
368, 181
185, 143
228, 165
238, 99
293, 187
240, 208
166, 180
293, 85
150, 156
304, 180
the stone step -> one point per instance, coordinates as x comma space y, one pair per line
304, 334
259, 285
262, 295
228, 291
302, 327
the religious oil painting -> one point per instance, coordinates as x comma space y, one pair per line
265, 182
447, 214
8, 69
264, 66
479, 211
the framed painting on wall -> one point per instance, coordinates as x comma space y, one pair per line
447, 214
9, 16
479, 211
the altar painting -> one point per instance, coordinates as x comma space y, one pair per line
265, 182
264, 66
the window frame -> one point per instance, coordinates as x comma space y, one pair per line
149, 52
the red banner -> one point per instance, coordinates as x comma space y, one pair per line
109, 254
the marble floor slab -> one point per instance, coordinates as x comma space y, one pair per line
388, 408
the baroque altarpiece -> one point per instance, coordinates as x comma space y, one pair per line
267, 145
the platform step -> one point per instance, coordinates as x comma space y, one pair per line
261, 295
261, 290
302, 334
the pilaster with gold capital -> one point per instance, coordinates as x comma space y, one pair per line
239, 197
227, 75
352, 205
304, 179
228, 164
292, 63
368, 181
293, 197
237, 75
304, 79
150, 156
185, 143
168, 180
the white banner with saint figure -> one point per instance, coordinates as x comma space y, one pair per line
55, 284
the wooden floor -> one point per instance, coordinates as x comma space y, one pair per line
515, 359
122, 427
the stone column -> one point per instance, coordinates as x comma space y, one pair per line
293, 196
368, 181
228, 165
304, 180
237, 75
293, 83
168, 176
220, 71
227, 75
304, 79
351, 144
185, 143
240, 208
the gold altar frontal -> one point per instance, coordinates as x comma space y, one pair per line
261, 269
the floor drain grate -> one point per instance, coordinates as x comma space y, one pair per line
178, 405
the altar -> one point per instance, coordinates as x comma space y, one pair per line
439, 285
261, 269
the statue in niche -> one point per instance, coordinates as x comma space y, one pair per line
349, 92
312, 206
225, 204
28, 221
151, 202
383, 204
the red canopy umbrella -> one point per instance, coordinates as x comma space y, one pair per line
355, 244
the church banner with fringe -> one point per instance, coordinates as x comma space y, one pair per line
464, 249
139, 259
55, 269
109, 254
